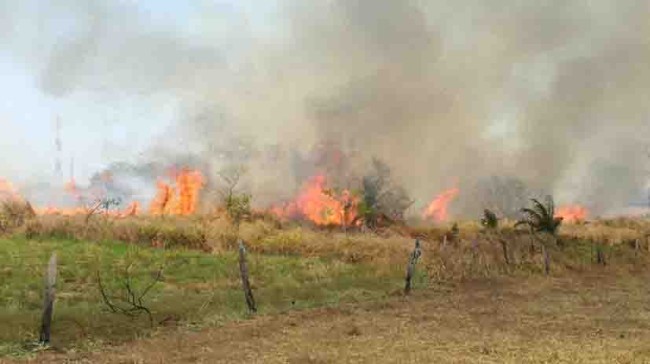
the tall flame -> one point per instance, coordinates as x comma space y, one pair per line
572, 213
437, 209
320, 205
181, 199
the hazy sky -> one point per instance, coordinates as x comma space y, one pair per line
445, 93
98, 125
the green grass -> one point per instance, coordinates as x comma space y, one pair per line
197, 289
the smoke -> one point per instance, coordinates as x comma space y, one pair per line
445, 93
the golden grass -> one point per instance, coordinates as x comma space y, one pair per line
472, 253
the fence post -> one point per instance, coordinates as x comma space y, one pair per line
410, 270
48, 301
243, 270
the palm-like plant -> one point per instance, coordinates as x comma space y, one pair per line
490, 219
541, 219
491, 223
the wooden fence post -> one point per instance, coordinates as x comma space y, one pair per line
410, 270
243, 270
48, 301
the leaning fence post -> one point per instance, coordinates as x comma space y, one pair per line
410, 270
48, 301
243, 270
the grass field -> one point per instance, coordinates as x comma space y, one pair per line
597, 317
326, 296
197, 289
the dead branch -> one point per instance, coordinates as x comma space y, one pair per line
132, 304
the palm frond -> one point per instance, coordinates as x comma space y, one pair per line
541, 217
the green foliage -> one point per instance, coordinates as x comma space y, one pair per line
541, 218
490, 219
380, 198
236, 204
196, 289
238, 207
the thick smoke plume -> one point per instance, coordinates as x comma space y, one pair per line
446, 93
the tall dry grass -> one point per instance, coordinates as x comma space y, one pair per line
471, 252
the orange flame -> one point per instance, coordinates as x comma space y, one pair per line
164, 193
8, 191
71, 188
167, 201
131, 210
437, 209
181, 199
320, 205
572, 213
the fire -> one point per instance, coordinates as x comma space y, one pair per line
181, 199
131, 210
8, 191
320, 205
71, 188
437, 209
572, 213
164, 193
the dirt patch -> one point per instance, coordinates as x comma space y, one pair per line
599, 317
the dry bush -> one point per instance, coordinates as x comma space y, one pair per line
472, 253
155, 231
14, 213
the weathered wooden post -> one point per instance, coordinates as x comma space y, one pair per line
48, 301
504, 249
547, 259
410, 270
600, 255
243, 270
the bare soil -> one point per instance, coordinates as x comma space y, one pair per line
601, 316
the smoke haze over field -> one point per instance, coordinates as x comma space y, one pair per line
446, 93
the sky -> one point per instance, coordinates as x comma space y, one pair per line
98, 126
445, 93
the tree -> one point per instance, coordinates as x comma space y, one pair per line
490, 222
542, 222
381, 200
237, 205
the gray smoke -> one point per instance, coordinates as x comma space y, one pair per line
446, 93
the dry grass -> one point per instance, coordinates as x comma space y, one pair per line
600, 317
472, 255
